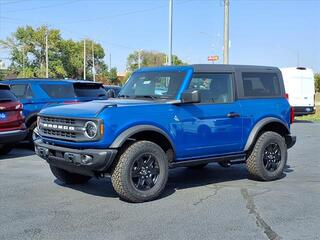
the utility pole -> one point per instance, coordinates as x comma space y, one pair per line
23, 64
170, 32
84, 59
47, 59
139, 59
226, 33
93, 68
110, 61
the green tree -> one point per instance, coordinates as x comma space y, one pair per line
317, 81
27, 46
149, 58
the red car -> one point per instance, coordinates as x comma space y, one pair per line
12, 127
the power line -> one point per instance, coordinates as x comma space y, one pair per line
43, 7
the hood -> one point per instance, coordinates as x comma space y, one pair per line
91, 109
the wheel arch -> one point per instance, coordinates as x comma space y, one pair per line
31, 118
266, 124
149, 133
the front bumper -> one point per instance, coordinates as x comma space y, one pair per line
14, 136
81, 161
290, 140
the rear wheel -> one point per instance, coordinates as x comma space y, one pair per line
68, 177
5, 149
268, 158
141, 172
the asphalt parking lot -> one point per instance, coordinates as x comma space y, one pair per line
213, 203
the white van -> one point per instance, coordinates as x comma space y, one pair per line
299, 85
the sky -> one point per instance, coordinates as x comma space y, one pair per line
282, 33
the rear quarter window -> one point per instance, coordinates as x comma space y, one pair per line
259, 84
58, 90
90, 90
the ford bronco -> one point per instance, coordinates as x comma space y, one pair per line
167, 117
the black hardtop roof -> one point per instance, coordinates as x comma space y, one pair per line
230, 67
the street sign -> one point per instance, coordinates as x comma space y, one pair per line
213, 58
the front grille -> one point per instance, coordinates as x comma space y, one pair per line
67, 129
59, 133
58, 120
61, 128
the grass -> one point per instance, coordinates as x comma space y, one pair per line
314, 117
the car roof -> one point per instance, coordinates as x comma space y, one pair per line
54, 80
209, 68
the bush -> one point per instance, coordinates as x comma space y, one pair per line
317, 81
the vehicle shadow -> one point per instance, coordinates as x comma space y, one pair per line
180, 178
20, 150
302, 121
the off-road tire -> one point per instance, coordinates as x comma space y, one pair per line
68, 177
199, 166
255, 158
5, 149
121, 172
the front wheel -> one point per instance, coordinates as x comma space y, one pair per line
68, 177
268, 157
141, 172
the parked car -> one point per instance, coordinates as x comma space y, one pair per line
203, 113
37, 93
299, 84
112, 90
12, 127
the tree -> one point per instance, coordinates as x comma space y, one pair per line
149, 58
27, 46
317, 81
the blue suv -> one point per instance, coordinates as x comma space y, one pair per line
36, 94
167, 117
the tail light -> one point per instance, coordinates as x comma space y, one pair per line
291, 115
286, 96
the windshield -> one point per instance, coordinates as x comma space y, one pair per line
153, 85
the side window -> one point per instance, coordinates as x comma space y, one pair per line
22, 90
213, 87
261, 84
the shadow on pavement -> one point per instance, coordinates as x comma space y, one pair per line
20, 150
302, 121
181, 178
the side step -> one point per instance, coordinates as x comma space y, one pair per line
233, 159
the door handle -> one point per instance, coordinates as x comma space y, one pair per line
233, 115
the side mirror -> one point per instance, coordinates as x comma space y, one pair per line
111, 93
191, 96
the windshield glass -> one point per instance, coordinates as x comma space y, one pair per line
153, 85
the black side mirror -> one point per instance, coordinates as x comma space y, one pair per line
111, 93
191, 96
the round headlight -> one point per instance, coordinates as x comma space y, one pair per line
91, 129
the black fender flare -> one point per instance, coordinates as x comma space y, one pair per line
125, 135
258, 126
32, 115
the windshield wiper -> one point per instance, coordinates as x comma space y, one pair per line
123, 96
146, 96
5, 100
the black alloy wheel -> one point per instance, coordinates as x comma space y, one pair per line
145, 171
272, 157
